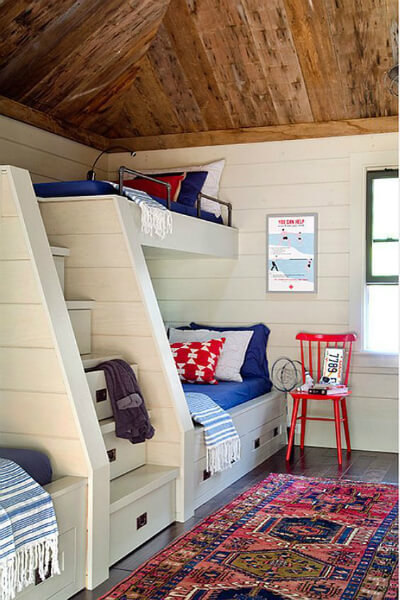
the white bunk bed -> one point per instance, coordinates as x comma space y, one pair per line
86, 254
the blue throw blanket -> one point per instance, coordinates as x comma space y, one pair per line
156, 219
220, 435
28, 531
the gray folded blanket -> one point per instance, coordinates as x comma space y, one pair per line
131, 417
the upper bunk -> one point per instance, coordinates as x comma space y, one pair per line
194, 231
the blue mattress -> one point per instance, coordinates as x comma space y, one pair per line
228, 394
61, 189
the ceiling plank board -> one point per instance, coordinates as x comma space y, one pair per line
312, 38
173, 79
360, 33
144, 109
232, 54
16, 110
91, 77
196, 66
23, 21
273, 133
63, 34
269, 27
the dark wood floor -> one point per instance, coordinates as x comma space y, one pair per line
315, 462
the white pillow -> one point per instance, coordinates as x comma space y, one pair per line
211, 184
233, 351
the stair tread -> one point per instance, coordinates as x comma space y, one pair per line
137, 483
108, 425
80, 304
60, 251
91, 360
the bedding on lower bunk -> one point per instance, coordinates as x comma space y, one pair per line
228, 394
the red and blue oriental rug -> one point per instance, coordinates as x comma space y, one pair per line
286, 538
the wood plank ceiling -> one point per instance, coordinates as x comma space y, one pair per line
98, 70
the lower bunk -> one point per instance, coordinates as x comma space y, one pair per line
261, 425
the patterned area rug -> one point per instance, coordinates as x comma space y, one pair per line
287, 537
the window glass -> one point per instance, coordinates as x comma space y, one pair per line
385, 209
385, 258
382, 318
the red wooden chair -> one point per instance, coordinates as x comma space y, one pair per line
313, 345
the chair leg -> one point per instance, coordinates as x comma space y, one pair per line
345, 423
338, 433
292, 427
303, 422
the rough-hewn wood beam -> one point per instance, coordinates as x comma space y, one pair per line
297, 131
20, 112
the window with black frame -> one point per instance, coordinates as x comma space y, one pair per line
382, 261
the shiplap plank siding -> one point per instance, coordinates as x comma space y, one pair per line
46, 156
267, 178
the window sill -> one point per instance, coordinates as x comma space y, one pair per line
373, 362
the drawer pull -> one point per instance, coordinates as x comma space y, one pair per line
38, 579
141, 520
101, 395
206, 475
112, 455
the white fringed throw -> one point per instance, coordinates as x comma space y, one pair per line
220, 435
156, 219
28, 531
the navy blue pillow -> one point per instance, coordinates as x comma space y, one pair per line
255, 362
35, 463
190, 186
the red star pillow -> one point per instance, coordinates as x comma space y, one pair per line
196, 361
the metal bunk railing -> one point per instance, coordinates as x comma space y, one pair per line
122, 171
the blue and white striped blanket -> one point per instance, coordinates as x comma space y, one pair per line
220, 435
28, 531
156, 219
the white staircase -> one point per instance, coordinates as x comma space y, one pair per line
142, 496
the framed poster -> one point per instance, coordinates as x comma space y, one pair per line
292, 253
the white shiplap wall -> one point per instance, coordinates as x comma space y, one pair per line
46, 156
262, 178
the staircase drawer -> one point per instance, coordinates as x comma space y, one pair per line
136, 523
98, 389
123, 455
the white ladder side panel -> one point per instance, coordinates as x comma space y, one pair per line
185, 498
18, 201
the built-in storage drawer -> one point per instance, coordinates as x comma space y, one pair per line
137, 522
247, 417
99, 393
81, 320
123, 455
70, 501
256, 446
